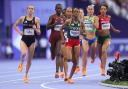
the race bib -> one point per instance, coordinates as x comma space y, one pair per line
57, 27
29, 31
74, 33
105, 26
88, 26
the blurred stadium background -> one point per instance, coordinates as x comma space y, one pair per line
11, 10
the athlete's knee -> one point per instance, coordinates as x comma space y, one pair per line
85, 51
77, 56
23, 55
29, 61
104, 51
104, 47
68, 57
59, 54
65, 60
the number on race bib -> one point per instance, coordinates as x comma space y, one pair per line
105, 26
29, 31
57, 27
74, 33
88, 25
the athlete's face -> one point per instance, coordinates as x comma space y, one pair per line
81, 13
30, 9
76, 12
103, 10
59, 9
90, 10
69, 12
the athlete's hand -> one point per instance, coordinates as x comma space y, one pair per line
117, 31
34, 27
21, 33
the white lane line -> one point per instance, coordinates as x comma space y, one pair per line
11, 72
114, 86
44, 85
8, 75
23, 79
14, 80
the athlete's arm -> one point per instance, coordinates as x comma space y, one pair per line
114, 29
37, 26
82, 29
19, 21
62, 35
66, 23
50, 25
96, 22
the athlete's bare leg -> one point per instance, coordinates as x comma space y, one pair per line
23, 54
76, 52
59, 61
93, 52
31, 50
104, 55
85, 48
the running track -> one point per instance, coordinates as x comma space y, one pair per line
41, 76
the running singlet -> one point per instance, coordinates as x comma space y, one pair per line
104, 23
55, 31
28, 32
58, 21
88, 23
73, 30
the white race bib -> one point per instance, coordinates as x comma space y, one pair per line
74, 33
105, 26
57, 27
88, 25
29, 31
